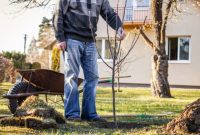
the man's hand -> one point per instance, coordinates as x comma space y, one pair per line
121, 34
62, 46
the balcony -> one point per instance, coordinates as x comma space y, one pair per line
134, 16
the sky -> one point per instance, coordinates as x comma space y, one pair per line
14, 25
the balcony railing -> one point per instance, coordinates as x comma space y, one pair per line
134, 15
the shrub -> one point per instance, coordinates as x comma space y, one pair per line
36, 65
5, 67
18, 59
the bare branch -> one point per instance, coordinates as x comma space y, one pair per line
29, 4
131, 48
146, 39
102, 58
122, 24
26, 6
109, 44
167, 11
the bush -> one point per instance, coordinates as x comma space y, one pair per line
18, 59
5, 67
28, 65
36, 65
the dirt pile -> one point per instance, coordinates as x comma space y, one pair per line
187, 122
34, 113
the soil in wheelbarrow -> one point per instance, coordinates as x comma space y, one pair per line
187, 122
34, 113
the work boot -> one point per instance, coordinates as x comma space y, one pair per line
76, 119
99, 119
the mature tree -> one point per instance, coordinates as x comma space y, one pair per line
160, 13
44, 28
161, 10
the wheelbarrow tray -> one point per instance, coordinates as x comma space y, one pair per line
45, 79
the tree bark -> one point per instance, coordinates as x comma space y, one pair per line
117, 81
159, 81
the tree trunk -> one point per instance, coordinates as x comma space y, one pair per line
159, 81
118, 79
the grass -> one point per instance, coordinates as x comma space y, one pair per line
3, 102
149, 111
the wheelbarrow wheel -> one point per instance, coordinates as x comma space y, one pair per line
18, 88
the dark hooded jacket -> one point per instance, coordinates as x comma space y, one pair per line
77, 19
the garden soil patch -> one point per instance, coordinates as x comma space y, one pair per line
120, 125
34, 113
187, 122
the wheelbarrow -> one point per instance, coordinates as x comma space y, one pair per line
35, 82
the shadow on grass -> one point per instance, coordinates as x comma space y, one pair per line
120, 125
134, 122
125, 125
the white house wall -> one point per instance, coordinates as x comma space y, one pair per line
139, 60
139, 66
188, 24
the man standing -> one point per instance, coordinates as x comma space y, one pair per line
75, 24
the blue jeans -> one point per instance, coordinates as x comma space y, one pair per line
80, 54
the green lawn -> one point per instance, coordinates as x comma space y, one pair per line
149, 113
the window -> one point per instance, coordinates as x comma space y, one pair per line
103, 49
129, 10
136, 9
179, 48
143, 3
128, 14
137, 3
99, 47
129, 3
